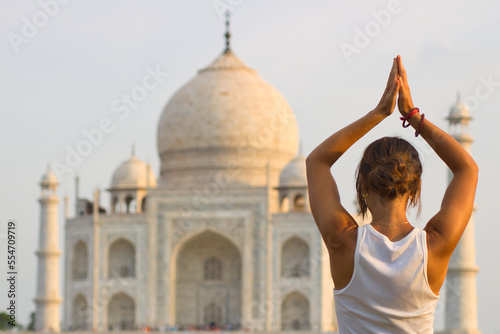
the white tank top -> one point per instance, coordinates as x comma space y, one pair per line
389, 291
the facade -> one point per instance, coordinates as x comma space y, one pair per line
225, 239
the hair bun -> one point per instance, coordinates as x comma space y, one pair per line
390, 177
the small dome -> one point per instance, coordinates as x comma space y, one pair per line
459, 111
133, 173
294, 174
49, 177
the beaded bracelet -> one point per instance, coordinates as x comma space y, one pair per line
410, 113
417, 132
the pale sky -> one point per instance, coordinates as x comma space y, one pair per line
62, 79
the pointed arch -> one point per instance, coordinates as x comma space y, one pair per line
121, 259
121, 312
299, 203
186, 238
295, 258
79, 263
80, 313
130, 204
295, 312
284, 204
115, 204
208, 281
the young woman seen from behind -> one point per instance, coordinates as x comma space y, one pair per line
388, 273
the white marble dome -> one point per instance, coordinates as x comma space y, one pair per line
224, 126
294, 174
132, 174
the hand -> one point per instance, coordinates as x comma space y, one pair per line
388, 100
405, 104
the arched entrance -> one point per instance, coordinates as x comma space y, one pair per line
80, 261
295, 258
295, 312
121, 259
208, 282
121, 312
80, 313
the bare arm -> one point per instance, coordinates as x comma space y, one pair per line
334, 222
447, 226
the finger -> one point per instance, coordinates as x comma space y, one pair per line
394, 72
401, 69
397, 85
403, 84
392, 89
400, 84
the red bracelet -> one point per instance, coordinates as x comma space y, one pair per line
417, 132
405, 119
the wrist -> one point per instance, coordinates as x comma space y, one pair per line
407, 111
380, 112
416, 120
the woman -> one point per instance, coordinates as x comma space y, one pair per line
388, 274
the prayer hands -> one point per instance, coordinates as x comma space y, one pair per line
397, 83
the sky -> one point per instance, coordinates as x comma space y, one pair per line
66, 63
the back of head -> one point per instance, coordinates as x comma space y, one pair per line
390, 167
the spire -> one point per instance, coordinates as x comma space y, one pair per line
49, 179
228, 34
77, 187
227, 60
148, 172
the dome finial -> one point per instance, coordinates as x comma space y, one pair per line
458, 96
228, 34
133, 150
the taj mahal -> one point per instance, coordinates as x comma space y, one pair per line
222, 237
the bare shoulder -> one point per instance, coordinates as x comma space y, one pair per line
339, 232
444, 232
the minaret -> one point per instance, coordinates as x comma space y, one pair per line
48, 300
461, 291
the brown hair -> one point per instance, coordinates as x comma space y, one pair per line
391, 167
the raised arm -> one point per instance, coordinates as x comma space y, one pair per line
447, 226
334, 222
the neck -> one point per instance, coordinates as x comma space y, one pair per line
387, 211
